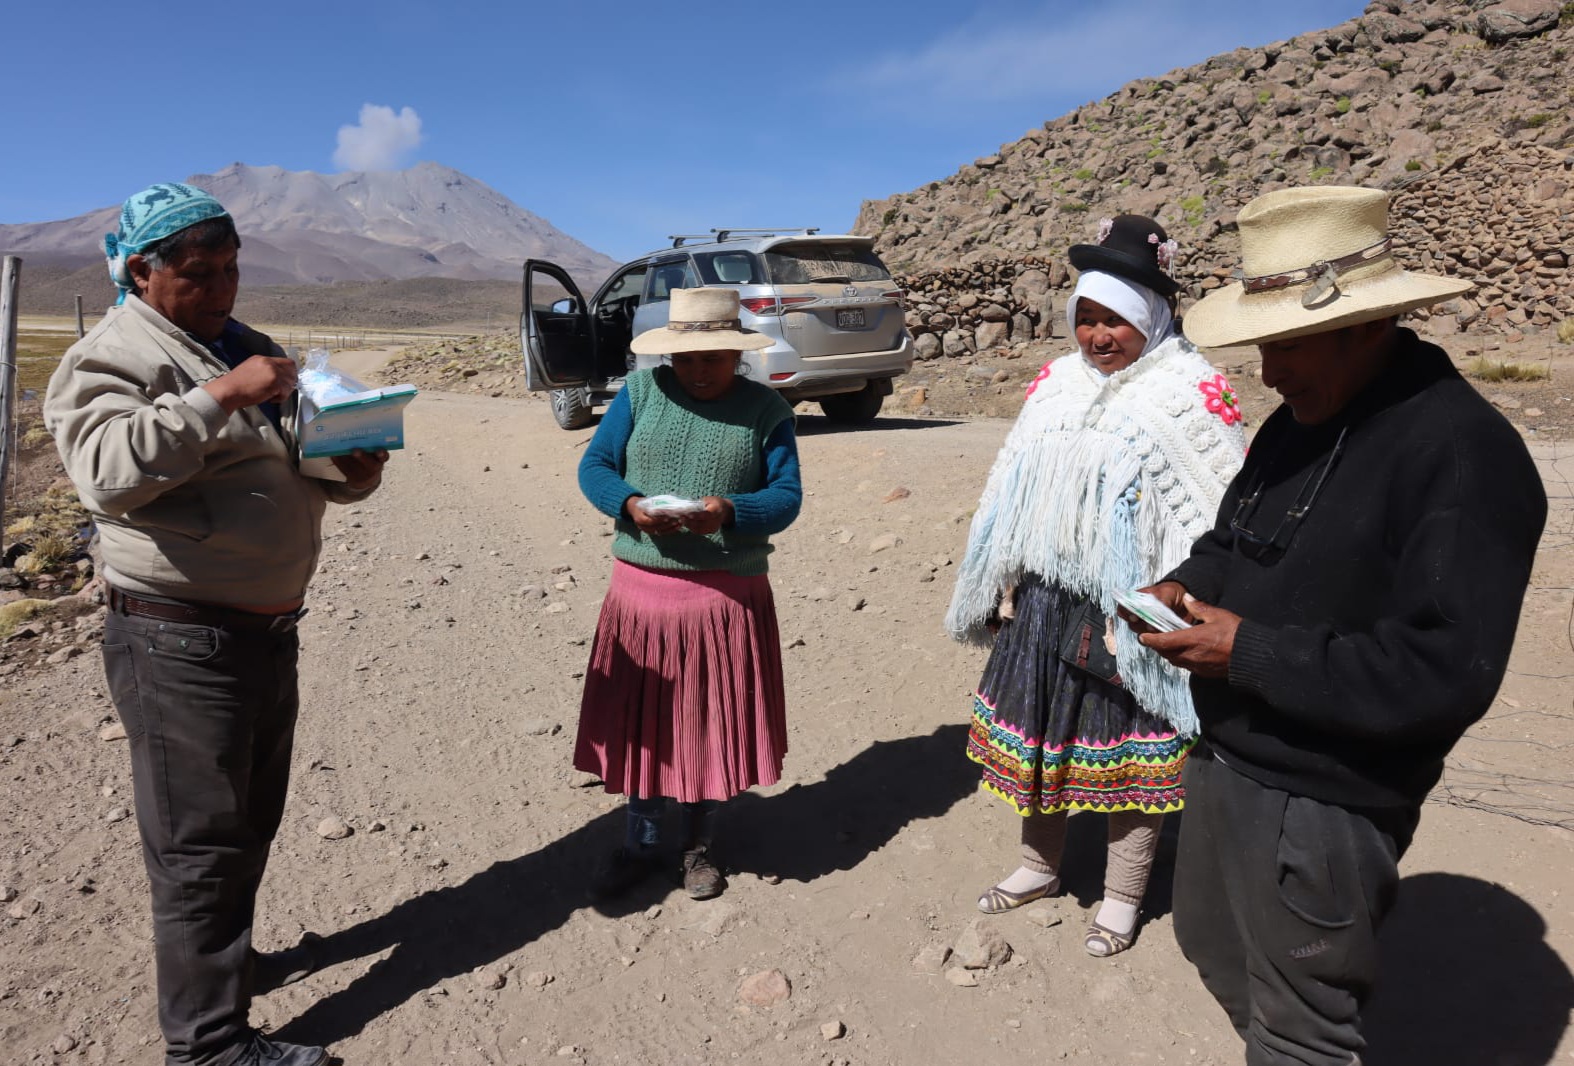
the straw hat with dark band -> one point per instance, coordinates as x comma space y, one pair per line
701, 320
1312, 260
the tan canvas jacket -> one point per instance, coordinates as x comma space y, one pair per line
191, 503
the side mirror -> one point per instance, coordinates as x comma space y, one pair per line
565, 306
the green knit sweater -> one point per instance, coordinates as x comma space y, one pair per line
686, 447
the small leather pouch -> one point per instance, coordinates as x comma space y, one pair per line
1085, 643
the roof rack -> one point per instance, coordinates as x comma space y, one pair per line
733, 232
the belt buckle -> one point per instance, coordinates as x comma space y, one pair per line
286, 623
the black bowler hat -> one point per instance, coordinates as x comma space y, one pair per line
1134, 247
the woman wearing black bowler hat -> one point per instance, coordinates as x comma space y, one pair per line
1115, 465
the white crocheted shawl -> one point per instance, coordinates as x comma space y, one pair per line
1103, 484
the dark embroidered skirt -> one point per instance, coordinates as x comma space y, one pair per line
1051, 737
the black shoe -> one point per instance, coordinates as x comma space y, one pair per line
702, 878
622, 871
260, 1051
275, 969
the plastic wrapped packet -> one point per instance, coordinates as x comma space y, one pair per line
670, 505
340, 413
1151, 610
323, 384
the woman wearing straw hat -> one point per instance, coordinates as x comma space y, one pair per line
1355, 605
1114, 466
683, 696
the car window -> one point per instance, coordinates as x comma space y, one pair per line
546, 293
664, 277
811, 261
730, 268
629, 283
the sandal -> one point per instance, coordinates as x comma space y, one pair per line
1102, 941
998, 900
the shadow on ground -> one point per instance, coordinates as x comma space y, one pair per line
808, 831
1468, 977
812, 425
804, 832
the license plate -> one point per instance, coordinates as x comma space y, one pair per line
850, 318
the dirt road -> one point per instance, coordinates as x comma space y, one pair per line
442, 664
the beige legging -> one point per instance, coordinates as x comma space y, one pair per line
1133, 841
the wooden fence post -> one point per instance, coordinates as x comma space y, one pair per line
10, 270
81, 332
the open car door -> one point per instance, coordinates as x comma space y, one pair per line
554, 330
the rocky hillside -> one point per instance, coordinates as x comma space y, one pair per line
1460, 107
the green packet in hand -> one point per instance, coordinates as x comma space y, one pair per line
1151, 610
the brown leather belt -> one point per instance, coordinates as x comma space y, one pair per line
200, 615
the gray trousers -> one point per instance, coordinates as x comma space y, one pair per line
210, 716
1278, 899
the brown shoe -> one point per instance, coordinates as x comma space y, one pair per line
702, 878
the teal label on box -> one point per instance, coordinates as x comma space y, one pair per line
367, 422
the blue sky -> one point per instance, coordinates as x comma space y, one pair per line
617, 122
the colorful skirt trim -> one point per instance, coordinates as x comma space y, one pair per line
683, 695
1051, 737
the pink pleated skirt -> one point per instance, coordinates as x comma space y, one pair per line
683, 695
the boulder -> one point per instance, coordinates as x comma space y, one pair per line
1507, 21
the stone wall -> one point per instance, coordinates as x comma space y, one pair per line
1462, 108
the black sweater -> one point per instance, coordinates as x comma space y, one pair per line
1382, 631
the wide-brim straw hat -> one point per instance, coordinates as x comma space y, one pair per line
700, 320
1313, 260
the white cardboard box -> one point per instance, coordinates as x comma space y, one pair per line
369, 420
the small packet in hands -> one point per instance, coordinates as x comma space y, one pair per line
674, 505
1151, 610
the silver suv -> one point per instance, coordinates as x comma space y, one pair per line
827, 302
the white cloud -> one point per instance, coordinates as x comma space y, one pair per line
381, 140
1048, 52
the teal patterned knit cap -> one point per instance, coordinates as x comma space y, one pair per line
156, 212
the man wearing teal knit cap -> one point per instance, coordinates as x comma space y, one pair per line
177, 425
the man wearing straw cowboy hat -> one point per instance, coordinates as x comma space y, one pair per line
174, 422
1353, 608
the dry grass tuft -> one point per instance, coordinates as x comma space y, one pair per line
1485, 369
49, 528
48, 552
13, 614
1566, 331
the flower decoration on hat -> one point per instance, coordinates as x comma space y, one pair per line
1043, 375
1166, 253
1220, 399
1134, 247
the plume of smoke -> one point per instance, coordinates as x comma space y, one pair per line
381, 139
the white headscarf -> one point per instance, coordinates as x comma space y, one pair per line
1147, 311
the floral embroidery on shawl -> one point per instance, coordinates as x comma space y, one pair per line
1220, 399
1042, 374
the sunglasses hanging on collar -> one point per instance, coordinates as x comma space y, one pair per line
1269, 549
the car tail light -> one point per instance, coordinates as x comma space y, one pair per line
782, 377
772, 305
894, 294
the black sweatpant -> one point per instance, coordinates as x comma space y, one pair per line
210, 716
1277, 902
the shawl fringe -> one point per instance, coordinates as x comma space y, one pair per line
1102, 484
